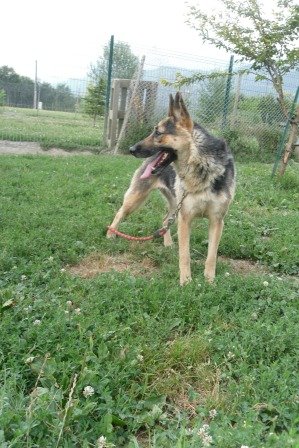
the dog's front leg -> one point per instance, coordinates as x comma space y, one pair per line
215, 232
132, 200
184, 225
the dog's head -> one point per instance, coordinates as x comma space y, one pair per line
172, 134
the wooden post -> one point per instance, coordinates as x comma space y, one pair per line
130, 105
116, 110
290, 143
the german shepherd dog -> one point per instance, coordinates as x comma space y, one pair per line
194, 171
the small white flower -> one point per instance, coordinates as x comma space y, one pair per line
62, 270
203, 430
265, 283
23, 277
230, 355
78, 311
207, 440
212, 413
37, 322
51, 258
227, 274
203, 433
244, 446
66, 312
101, 442
29, 360
69, 303
140, 358
88, 391
254, 316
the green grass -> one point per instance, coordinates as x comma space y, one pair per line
159, 357
65, 130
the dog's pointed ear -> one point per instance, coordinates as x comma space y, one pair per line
171, 106
180, 112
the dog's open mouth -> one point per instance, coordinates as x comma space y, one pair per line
156, 165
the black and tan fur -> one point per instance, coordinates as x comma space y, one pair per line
184, 159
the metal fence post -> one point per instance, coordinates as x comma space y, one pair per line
285, 132
109, 76
227, 92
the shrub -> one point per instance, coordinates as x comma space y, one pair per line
270, 109
242, 146
268, 138
135, 133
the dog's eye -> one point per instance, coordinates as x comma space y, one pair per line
157, 133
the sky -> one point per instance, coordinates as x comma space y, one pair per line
66, 36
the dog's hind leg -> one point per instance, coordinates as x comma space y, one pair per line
215, 232
133, 199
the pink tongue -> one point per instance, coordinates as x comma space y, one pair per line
148, 170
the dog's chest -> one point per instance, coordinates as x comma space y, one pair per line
196, 204
201, 204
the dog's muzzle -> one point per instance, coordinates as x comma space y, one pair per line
135, 150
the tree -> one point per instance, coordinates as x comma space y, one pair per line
64, 98
94, 101
47, 95
19, 92
267, 44
18, 89
7, 74
124, 63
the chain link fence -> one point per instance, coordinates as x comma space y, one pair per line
237, 107
54, 94
49, 113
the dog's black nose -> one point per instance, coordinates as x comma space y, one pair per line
132, 149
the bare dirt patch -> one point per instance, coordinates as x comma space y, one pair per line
96, 264
244, 267
33, 148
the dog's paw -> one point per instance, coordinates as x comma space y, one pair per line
110, 234
185, 280
209, 276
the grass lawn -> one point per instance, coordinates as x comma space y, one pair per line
51, 129
127, 354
